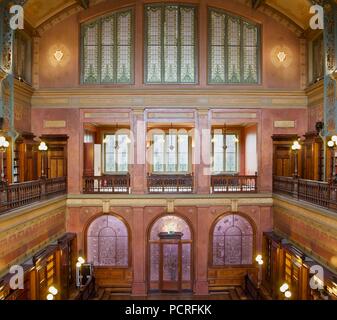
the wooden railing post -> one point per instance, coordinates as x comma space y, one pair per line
295, 187
43, 192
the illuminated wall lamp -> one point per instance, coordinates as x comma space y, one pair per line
282, 56
58, 55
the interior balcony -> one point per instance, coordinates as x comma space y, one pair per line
171, 165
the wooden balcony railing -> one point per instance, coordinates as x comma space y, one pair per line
161, 183
233, 183
16, 195
320, 193
107, 184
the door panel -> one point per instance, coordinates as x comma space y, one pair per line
170, 267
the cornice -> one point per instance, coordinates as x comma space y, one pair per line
94, 98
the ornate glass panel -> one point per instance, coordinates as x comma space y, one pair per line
124, 40
171, 43
108, 48
186, 262
234, 49
250, 52
170, 223
233, 241
187, 50
170, 262
90, 53
107, 242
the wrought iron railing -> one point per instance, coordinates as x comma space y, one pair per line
107, 184
160, 183
16, 195
233, 183
320, 193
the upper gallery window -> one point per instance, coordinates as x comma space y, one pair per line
317, 59
116, 152
171, 152
107, 49
234, 49
22, 56
170, 47
225, 152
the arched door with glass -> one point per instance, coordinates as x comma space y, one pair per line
170, 255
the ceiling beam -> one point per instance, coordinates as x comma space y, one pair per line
257, 3
83, 3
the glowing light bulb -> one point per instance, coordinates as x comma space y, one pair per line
258, 257
331, 143
53, 290
50, 296
287, 294
80, 260
284, 287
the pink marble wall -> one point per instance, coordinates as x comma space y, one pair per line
73, 130
66, 74
140, 219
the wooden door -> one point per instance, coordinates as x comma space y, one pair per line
170, 265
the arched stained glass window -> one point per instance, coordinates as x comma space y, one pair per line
234, 49
107, 242
233, 240
107, 49
170, 48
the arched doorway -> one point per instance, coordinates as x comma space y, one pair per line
108, 249
170, 255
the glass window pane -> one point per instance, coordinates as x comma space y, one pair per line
171, 153
107, 49
124, 38
90, 53
183, 153
170, 44
234, 49
122, 152
158, 152
109, 153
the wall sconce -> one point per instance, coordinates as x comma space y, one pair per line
282, 56
58, 55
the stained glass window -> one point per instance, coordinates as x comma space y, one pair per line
170, 44
233, 240
107, 242
107, 49
233, 49
225, 152
170, 152
116, 152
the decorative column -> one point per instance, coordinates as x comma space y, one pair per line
202, 249
138, 253
202, 153
330, 76
138, 145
